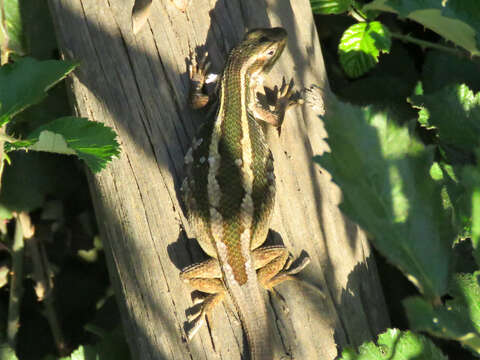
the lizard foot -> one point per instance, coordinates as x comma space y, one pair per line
197, 318
197, 71
284, 98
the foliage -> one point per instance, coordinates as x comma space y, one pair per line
110, 347
395, 200
7, 353
23, 84
393, 189
63, 291
457, 319
396, 345
408, 163
455, 20
91, 141
360, 45
329, 6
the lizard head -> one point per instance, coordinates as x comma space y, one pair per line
263, 47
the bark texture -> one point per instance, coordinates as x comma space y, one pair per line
138, 84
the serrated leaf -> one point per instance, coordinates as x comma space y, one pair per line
455, 112
455, 20
326, 7
458, 319
91, 141
396, 345
25, 83
383, 173
361, 45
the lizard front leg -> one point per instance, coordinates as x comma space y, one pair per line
281, 99
204, 277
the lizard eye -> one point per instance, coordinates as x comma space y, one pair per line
271, 52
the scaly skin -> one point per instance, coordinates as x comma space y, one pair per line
229, 189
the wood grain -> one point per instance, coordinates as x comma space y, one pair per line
138, 84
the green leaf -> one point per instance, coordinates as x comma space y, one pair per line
476, 222
83, 352
471, 180
441, 69
7, 353
25, 83
387, 85
326, 7
455, 20
458, 319
361, 45
455, 112
32, 177
396, 345
91, 141
455, 197
383, 173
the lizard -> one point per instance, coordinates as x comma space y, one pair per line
229, 189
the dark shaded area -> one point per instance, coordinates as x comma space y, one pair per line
387, 86
53, 188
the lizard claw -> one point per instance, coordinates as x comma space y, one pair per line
298, 267
196, 325
197, 70
284, 98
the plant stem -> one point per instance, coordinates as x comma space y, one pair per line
16, 282
427, 44
44, 290
4, 54
356, 15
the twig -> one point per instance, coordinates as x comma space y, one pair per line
357, 15
427, 44
16, 288
44, 291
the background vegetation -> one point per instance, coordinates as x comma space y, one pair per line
404, 133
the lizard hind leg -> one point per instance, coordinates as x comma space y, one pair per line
274, 265
204, 277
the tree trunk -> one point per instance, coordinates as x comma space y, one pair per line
138, 84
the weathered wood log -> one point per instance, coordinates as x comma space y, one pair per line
138, 84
